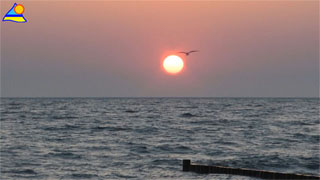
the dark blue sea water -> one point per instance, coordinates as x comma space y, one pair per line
146, 138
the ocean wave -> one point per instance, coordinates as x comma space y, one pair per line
109, 128
186, 107
187, 115
131, 111
21, 171
124, 176
83, 175
61, 128
66, 155
64, 117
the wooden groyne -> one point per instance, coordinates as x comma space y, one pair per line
187, 166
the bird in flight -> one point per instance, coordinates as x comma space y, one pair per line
189, 52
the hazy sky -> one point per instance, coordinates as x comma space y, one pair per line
100, 48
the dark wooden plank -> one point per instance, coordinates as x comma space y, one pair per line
187, 166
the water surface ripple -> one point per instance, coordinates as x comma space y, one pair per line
146, 138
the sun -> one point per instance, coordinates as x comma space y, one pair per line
173, 64
19, 9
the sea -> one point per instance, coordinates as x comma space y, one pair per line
147, 138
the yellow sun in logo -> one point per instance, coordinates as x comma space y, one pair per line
19, 9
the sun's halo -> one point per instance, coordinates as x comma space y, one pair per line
173, 64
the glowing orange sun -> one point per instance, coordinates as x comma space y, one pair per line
19, 9
173, 64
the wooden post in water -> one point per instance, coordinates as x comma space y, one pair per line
187, 166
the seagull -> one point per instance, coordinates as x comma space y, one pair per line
189, 52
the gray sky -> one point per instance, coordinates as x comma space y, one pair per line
85, 49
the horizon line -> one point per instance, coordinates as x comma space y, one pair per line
66, 97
